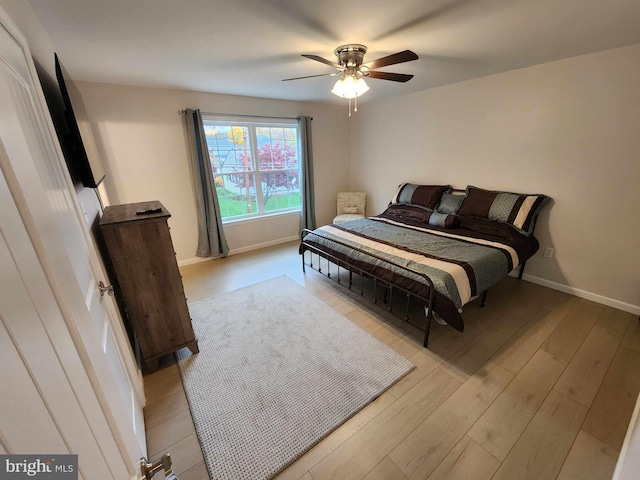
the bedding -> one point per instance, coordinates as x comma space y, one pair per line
426, 196
422, 215
462, 263
519, 210
450, 203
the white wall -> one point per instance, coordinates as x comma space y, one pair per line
569, 129
142, 140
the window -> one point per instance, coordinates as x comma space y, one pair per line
255, 167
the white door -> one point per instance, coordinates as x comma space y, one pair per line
61, 341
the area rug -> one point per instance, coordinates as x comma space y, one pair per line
278, 370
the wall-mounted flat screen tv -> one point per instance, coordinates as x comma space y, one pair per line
76, 137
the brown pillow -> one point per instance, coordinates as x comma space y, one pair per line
477, 202
516, 209
423, 195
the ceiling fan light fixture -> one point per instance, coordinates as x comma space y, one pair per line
351, 68
350, 86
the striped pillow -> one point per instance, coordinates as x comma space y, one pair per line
416, 215
438, 219
426, 196
516, 209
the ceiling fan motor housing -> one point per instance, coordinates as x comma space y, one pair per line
350, 56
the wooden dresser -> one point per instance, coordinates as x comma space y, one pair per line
142, 258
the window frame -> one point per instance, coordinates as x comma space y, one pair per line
252, 126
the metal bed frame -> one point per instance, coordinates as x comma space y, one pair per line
388, 286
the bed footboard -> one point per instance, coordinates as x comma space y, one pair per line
377, 281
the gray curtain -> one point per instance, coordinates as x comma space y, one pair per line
308, 213
211, 241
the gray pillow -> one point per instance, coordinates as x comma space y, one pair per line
450, 203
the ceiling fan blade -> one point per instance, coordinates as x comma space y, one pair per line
311, 76
324, 60
394, 77
400, 57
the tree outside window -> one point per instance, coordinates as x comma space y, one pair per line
255, 166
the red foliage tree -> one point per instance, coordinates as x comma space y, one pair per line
279, 166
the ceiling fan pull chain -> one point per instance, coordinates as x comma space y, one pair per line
355, 101
349, 107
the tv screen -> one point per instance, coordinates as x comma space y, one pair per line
79, 146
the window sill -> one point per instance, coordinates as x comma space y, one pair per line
260, 218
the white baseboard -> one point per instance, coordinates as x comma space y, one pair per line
594, 297
235, 251
194, 260
258, 246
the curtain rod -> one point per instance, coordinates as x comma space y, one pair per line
180, 112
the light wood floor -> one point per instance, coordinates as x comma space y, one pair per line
541, 385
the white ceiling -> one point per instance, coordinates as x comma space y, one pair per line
246, 47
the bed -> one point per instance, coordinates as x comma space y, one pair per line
418, 250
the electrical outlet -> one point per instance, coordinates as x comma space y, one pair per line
548, 252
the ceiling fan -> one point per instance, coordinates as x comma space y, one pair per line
353, 70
